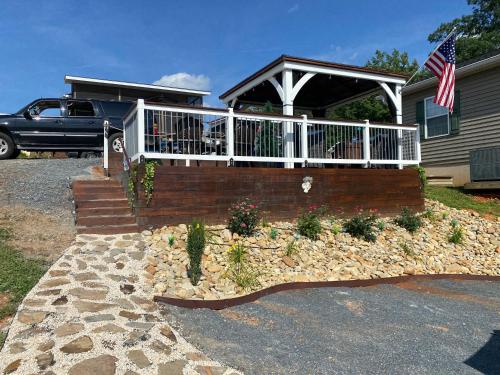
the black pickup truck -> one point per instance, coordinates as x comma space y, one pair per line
70, 125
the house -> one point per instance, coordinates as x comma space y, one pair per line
465, 144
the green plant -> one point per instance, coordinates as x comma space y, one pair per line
132, 185
265, 223
445, 215
336, 229
407, 249
381, 225
239, 271
308, 223
422, 176
147, 180
291, 248
408, 220
268, 141
429, 215
273, 233
171, 240
195, 247
4, 234
457, 235
243, 218
361, 226
454, 223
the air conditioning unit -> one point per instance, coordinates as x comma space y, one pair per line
485, 164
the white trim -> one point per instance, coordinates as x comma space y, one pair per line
342, 72
106, 82
302, 81
425, 120
278, 88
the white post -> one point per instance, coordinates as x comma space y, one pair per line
366, 144
399, 120
230, 133
418, 155
140, 127
303, 140
106, 145
287, 78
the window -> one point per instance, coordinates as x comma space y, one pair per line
80, 109
115, 109
437, 119
46, 108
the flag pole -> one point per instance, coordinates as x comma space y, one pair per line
430, 54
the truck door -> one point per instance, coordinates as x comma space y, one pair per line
83, 124
43, 127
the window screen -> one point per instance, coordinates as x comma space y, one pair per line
436, 119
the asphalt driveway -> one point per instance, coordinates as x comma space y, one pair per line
425, 327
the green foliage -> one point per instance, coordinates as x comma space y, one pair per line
362, 226
3, 336
147, 180
429, 215
394, 62
171, 240
243, 217
478, 33
195, 247
336, 229
381, 225
18, 275
408, 220
267, 140
265, 223
308, 224
291, 248
273, 233
132, 185
457, 235
407, 248
456, 198
445, 215
422, 176
239, 271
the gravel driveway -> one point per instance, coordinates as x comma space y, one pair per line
41, 183
426, 327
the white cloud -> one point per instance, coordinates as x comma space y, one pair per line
185, 81
294, 8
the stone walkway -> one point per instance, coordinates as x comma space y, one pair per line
92, 313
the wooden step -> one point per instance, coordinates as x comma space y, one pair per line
81, 197
109, 229
79, 190
95, 221
99, 211
102, 203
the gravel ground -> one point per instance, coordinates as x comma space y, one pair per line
41, 184
416, 327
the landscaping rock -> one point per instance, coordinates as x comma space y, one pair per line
172, 368
44, 360
138, 358
31, 317
68, 329
79, 345
102, 365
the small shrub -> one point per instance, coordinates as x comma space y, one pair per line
381, 225
457, 235
336, 229
148, 180
195, 247
291, 248
422, 176
238, 269
445, 215
361, 226
273, 233
244, 217
454, 223
308, 224
407, 249
4, 234
429, 215
408, 220
171, 240
265, 223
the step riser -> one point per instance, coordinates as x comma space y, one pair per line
95, 221
108, 230
102, 196
107, 203
82, 190
85, 212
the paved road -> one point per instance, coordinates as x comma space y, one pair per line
430, 327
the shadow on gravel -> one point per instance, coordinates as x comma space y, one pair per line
487, 359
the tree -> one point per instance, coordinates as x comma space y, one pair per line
374, 107
267, 139
478, 33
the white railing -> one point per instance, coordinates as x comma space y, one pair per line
158, 131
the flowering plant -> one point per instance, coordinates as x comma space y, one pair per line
243, 217
308, 224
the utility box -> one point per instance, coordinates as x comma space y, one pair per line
485, 164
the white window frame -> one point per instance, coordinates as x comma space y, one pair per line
425, 118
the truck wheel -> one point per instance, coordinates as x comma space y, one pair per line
7, 146
116, 142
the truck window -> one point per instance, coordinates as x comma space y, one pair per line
77, 108
115, 109
46, 108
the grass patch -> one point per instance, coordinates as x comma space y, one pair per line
456, 198
18, 275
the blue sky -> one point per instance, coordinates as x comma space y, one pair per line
217, 43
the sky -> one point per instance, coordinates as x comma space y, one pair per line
209, 45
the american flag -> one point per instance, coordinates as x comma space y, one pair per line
442, 63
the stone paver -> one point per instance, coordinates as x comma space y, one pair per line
92, 313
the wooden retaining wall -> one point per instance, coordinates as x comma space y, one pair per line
183, 193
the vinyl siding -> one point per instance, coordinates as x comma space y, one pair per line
479, 124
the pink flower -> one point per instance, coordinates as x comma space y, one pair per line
243, 225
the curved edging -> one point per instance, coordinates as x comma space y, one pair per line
230, 302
